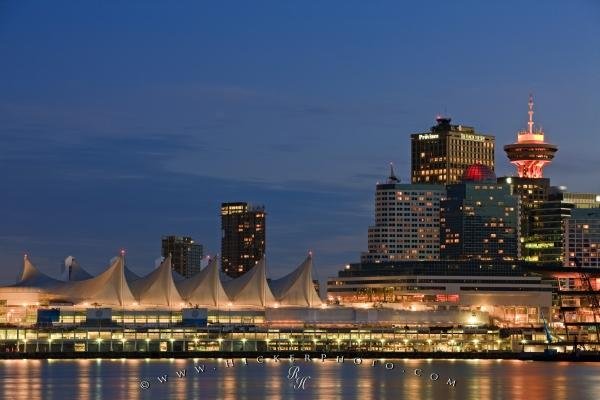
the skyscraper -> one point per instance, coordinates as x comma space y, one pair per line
442, 155
532, 192
406, 222
186, 255
530, 154
545, 242
582, 238
243, 237
553, 223
479, 219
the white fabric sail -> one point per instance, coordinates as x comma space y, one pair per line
204, 289
297, 288
109, 288
251, 289
73, 271
33, 277
158, 287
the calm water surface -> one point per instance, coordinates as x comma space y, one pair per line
123, 379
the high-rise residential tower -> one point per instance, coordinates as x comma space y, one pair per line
406, 222
479, 219
442, 155
582, 238
558, 220
243, 237
532, 192
530, 154
186, 255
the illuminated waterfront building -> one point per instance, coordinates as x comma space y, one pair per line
186, 255
479, 219
582, 238
243, 239
530, 154
406, 222
442, 155
500, 291
401, 306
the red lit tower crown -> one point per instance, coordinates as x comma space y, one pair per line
530, 154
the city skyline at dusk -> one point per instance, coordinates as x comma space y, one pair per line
114, 136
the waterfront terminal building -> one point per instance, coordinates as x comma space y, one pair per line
399, 306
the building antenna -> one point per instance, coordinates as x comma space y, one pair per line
530, 112
392, 177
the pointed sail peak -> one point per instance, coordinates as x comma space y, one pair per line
297, 288
108, 288
158, 287
251, 289
29, 270
32, 276
204, 288
72, 271
242, 280
187, 286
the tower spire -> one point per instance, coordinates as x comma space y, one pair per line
392, 178
531, 153
530, 112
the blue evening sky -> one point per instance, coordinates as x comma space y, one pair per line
123, 121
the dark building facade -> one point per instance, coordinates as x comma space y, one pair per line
532, 193
546, 240
243, 237
479, 219
186, 255
442, 155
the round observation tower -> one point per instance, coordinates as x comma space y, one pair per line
530, 154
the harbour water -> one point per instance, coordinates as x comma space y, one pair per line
98, 379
